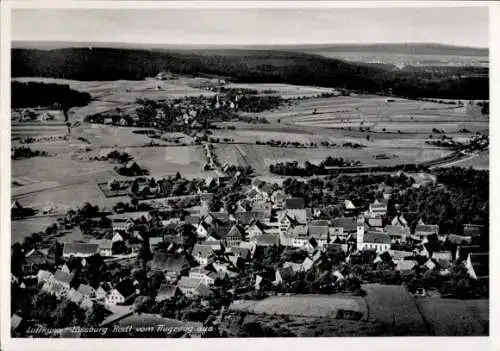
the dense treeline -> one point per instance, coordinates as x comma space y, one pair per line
246, 66
463, 199
309, 169
34, 94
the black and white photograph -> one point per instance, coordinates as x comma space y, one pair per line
247, 172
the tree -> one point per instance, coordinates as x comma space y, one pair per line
68, 314
134, 188
144, 255
17, 260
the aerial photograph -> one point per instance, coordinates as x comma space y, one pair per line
249, 172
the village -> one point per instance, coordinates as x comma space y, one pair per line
184, 261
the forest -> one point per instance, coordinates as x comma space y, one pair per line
250, 66
35, 94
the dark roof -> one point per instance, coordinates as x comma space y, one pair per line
268, 239
257, 182
126, 288
219, 232
248, 216
481, 264
202, 250
62, 277
395, 230
241, 251
81, 248
319, 222
221, 217
376, 238
166, 291
192, 220
348, 223
295, 203
318, 232
163, 261
427, 228
464, 250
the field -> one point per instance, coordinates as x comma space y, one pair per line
392, 304
261, 156
448, 317
479, 161
22, 228
302, 305
287, 91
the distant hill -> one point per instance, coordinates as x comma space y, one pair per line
396, 48
249, 66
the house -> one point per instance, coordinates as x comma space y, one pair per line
458, 239
208, 278
248, 217
399, 220
123, 293
16, 323
423, 230
291, 218
203, 254
373, 221
472, 230
102, 291
242, 252
296, 267
190, 286
397, 232
58, 284
378, 208
295, 203
463, 251
235, 236
296, 236
257, 184
342, 227
255, 229
371, 240
478, 265
79, 299
87, 290
105, 247
167, 292
349, 206
171, 265
36, 258
43, 276
268, 240
215, 244
320, 233
278, 198
283, 275
122, 225
80, 250
442, 255
405, 267
398, 255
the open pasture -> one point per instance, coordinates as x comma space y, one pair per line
108, 136
24, 227
302, 305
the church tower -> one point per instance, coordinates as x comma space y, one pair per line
360, 232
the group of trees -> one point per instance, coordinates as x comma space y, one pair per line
26, 152
463, 199
37, 94
309, 169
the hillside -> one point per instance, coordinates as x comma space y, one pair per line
249, 66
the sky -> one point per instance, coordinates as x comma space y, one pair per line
463, 26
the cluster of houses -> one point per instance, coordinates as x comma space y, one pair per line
226, 242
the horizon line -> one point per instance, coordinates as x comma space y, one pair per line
250, 44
